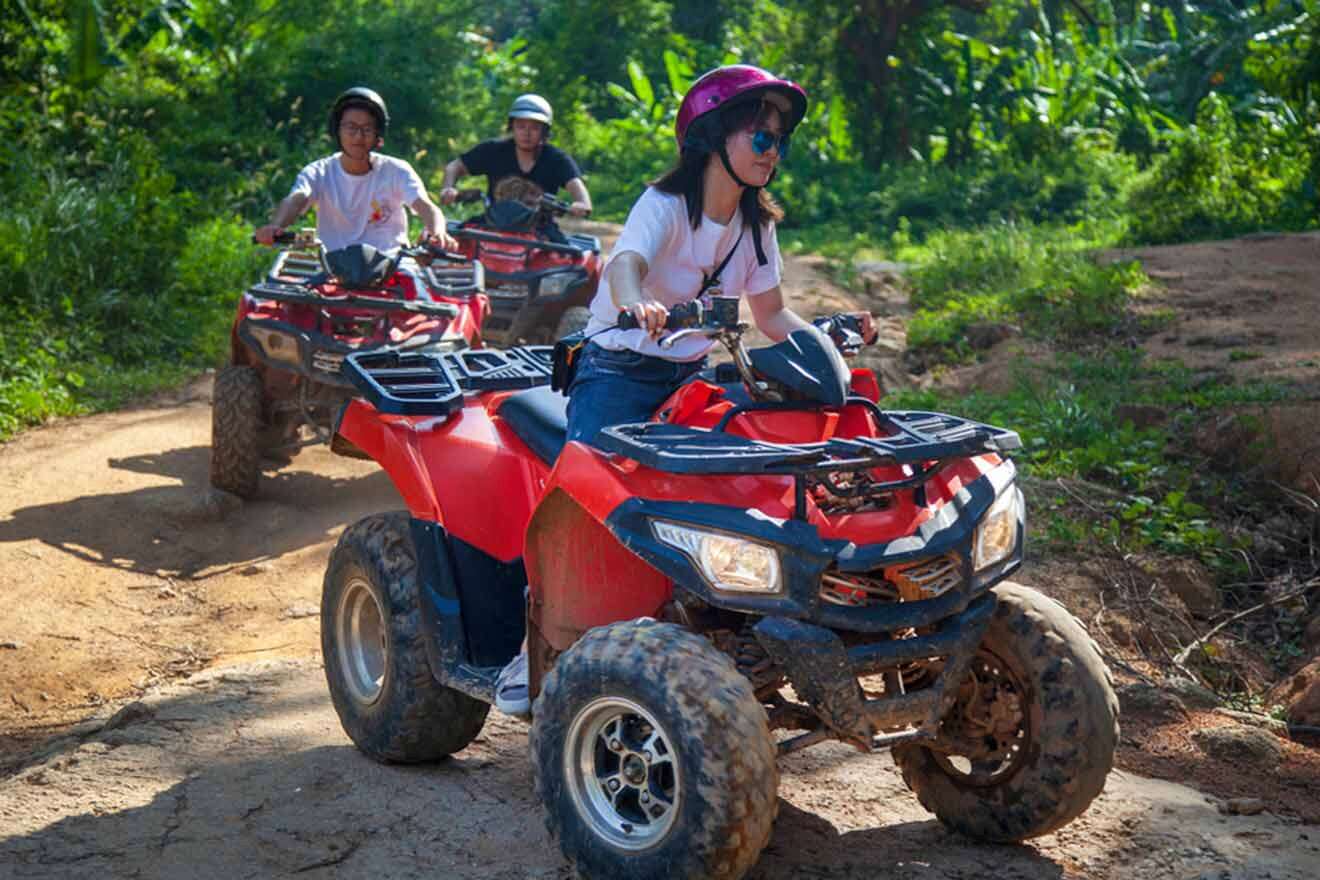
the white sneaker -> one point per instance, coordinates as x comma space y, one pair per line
512, 695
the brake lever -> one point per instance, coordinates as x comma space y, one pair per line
668, 341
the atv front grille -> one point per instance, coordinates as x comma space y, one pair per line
908, 582
507, 290
327, 361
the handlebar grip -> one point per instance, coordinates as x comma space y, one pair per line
680, 316
285, 237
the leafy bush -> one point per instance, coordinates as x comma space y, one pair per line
1223, 177
1040, 278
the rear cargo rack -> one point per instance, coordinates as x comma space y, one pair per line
493, 369
417, 384
402, 384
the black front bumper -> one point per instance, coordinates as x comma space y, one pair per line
805, 636
824, 673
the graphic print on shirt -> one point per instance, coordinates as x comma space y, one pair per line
379, 213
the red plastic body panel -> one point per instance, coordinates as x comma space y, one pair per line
373, 327
472, 474
500, 258
469, 472
581, 576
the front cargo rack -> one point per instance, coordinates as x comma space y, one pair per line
298, 294
413, 383
923, 441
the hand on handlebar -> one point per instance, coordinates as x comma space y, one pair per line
866, 326
578, 209
440, 239
647, 315
267, 234
448, 195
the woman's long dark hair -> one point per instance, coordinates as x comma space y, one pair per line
687, 177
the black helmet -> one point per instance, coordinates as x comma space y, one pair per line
362, 98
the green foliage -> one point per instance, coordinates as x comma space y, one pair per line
1223, 177
1042, 279
142, 139
1135, 488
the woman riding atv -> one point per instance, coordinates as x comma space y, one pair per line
705, 228
525, 155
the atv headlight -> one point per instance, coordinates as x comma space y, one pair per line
997, 534
727, 562
554, 285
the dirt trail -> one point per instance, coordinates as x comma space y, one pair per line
244, 773
121, 575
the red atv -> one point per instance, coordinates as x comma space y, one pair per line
540, 280
773, 562
294, 329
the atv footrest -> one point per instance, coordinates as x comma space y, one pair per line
478, 682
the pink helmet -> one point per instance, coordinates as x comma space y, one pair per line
735, 82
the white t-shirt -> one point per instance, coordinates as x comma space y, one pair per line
676, 256
361, 208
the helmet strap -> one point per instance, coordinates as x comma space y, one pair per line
761, 259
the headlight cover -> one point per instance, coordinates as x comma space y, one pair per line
554, 285
729, 563
277, 345
997, 534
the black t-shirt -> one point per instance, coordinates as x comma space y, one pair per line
498, 159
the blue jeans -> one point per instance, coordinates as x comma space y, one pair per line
620, 387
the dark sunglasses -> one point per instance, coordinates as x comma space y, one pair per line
765, 139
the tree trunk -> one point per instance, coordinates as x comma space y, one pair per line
868, 37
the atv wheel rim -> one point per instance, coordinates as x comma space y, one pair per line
363, 649
622, 773
991, 711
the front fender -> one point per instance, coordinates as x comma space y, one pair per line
394, 446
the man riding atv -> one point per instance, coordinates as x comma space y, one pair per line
527, 155
359, 194
359, 288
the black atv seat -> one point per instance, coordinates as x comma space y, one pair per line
539, 416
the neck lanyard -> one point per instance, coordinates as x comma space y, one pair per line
711, 283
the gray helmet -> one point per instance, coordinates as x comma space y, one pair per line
362, 98
532, 107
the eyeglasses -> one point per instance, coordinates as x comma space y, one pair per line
350, 129
764, 139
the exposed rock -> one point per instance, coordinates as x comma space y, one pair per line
1299, 694
1192, 693
1142, 415
1267, 548
988, 334
1255, 719
134, 713
189, 504
1279, 442
1191, 583
1239, 744
12, 646
1243, 806
1311, 637
1141, 698
297, 612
